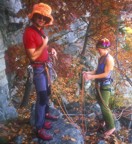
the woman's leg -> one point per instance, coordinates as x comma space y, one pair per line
106, 112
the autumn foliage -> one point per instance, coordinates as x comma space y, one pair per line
16, 61
102, 19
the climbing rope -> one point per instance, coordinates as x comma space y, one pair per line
84, 126
100, 95
121, 113
66, 114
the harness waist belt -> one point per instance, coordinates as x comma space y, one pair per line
108, 89
37, 62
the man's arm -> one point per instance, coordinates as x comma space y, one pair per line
35, 53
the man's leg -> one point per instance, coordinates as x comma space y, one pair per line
42, 98
47, 112
48, 96
40, 109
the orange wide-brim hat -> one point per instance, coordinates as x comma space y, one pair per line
42, 9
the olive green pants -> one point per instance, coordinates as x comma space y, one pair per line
106, 112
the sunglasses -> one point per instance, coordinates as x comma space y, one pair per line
41, 17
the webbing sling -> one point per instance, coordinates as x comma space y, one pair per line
38, 31
44, 64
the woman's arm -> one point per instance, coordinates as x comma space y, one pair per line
90, 72
108, 67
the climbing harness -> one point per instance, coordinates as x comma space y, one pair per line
50, 72
49, 69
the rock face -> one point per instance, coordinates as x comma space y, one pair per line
6, 111
69, 38
63, 132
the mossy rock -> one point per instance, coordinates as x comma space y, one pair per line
3, 140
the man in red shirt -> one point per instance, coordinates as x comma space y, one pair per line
36, 47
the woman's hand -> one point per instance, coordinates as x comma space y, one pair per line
87, 76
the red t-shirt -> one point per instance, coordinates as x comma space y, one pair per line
32, 39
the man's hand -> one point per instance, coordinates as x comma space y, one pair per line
45, 41
54, 53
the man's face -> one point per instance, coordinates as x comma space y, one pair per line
40, 20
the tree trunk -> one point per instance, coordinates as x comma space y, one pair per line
85, 41
28, 87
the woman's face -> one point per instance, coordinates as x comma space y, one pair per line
100, 50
